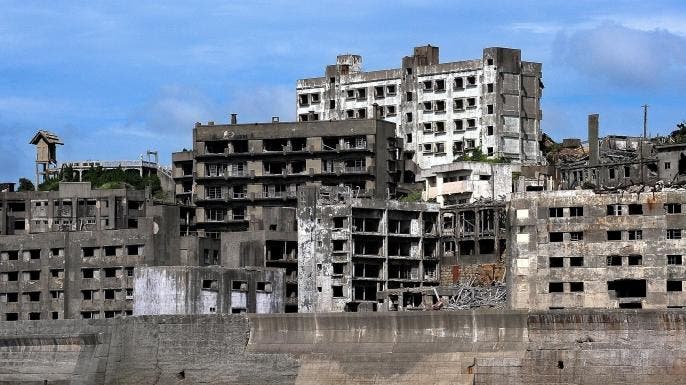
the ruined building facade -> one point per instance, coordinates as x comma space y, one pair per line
573, 249
71, 253
442, 110
191, 290
235, 170
351, 249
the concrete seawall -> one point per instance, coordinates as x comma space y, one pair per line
587, 347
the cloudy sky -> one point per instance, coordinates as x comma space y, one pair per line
114, 79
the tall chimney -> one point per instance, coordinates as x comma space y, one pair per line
593, 154
234, 118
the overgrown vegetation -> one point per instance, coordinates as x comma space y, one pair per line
415, 196
25, 185
679, 135
107, 179
476, 155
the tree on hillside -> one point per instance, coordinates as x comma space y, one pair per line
25, 185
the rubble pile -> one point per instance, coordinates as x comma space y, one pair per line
468, 296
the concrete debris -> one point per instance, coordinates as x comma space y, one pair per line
468, 296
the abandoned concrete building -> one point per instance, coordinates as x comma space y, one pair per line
237, 169
612, 162
466, 182
71, 253
573, 249
190, 290
442, 110
352, 248
473, 241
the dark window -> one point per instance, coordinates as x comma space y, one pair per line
576, 286
556, 262
635, 260
35, 254
576, 261
109, 293
614, 260
673, 233
12, 276
614, 235
674, 259
11, 316
555, 212
110, 272
87, 295
209, 284
576, 236
673, 208
489, 130
556, 237
337, 291
674, 286
87, 273
635, 209
576, 211
635, 235
555, 287
489, 87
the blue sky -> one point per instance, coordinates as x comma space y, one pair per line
114, 79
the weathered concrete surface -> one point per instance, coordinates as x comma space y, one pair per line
514, 347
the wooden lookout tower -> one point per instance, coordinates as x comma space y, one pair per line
46, 155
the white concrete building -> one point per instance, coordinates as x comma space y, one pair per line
466, 182
442, 110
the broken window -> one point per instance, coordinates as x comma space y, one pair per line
458, 83
576, 286
668, 165
337, 291
624, 288
635, 235
673, 233
489, 88
611, 173
408, 96
471, 81
556, 237
635, 260
209, 284
615, 210
304, 100
87, 273
471, 124
576, 261
239, 285
627, 171
674, 259
576, 211
635, 209
489, 109
576, 236
428, 84
440, 85
555, 287
673, 208
439, 106
390, 110
471, 102
674, 286
427, 106
555, 212
614, 260
390, 89
614, 235
556, 262
408, 117
489, 130
264, 287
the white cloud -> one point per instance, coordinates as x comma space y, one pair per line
625, 57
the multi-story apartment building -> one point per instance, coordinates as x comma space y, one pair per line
573, 249
442, 110
237, 169
71, 253
189, 290
473, 241
351, 249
